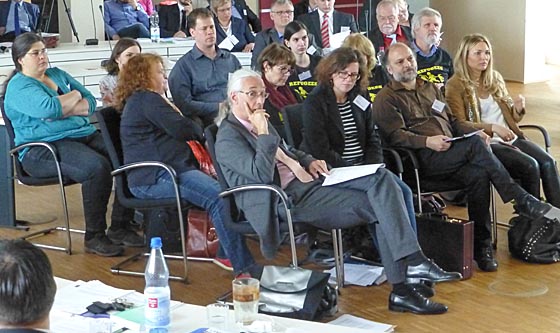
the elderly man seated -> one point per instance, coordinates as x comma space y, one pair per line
249, 151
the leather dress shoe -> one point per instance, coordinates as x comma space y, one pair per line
414, 302
428, 270
531, 207
485, 260
423, 289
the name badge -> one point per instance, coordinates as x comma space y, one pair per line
311, 50
438, 106
245, 12
233, 39
344, 29
361, 102
304, 76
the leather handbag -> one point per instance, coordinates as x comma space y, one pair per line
202, 239
448, 241
534, 240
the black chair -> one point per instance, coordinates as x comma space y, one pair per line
28, 180
241, 225
109, 123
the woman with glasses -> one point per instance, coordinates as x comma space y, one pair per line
153, 128
47, 104
302, 80
478, 93
125, 49
338, 121
276, 64
233, 34
376, 75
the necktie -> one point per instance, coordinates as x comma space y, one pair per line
325, 31
294, 165
183, 21
17, 28
393, 38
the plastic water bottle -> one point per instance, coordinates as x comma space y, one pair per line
157, 294
154, 27
380, 55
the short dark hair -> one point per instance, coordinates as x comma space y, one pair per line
27, 286
337, 61
196, 14
276, 54
124, 43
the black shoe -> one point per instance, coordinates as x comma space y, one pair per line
428, 270
423, 289
125, 237
414, 302
531, 207
485, 260
102, 245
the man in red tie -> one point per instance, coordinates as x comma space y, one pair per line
16, 17
326, 21
388, 30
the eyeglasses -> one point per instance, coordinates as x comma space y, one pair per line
285, 69
345, 75
282, 12
37, 53
255, 94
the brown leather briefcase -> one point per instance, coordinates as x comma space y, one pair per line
448, 241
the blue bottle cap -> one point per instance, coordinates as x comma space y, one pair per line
155, 242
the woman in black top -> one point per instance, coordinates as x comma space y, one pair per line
302, 80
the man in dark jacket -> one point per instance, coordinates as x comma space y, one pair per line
27, 15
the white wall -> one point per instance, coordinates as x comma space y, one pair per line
82, 16
415, 5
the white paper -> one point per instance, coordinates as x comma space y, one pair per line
233, 39
360, 275
438, 106
357, 322
337, 39
311, 50
226, 44
340, 175
464, 136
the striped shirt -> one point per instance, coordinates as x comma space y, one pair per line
353, 152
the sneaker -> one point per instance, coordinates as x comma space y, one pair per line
223, 263
125, 237
102, 246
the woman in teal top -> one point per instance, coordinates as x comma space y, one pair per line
47, 104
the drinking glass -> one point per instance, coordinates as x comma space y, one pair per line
245, 300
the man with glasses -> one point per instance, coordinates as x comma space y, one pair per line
17, 17
173, 19
326, 21
281, 13
388, 30
198, 81
250, 151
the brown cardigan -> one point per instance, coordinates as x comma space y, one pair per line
465, 105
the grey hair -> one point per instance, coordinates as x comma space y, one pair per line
390, 3
424, 12
235, 84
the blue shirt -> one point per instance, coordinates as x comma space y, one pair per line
118, 15
433, 50
23, 18
36, 112
198, 84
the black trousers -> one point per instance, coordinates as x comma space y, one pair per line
471, 163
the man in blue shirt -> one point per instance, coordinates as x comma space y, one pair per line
198, 81
27, 15
125, 18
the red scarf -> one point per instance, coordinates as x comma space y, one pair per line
280, 96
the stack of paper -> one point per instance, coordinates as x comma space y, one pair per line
361, 275
357, 322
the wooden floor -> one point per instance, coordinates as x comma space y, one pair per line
520, 297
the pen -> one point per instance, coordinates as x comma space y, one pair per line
120, 330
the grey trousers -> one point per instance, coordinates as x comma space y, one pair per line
376, 200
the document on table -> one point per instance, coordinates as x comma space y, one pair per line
344, 174
464, 136
357, 322
360, 275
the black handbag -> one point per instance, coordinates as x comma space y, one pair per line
320, 299
534, 240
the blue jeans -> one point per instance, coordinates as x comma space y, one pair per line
199, 189
82, 160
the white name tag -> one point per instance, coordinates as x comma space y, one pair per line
226, 44
245, 12
233, 39
361, 102
344, 29
438, 106
304, 76
311, 50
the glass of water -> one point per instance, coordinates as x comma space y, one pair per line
245, 300
218, 316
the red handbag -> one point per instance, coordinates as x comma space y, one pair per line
203, 158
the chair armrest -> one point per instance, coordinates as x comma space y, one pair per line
47, 145
146, 164
396, 159
544, 132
